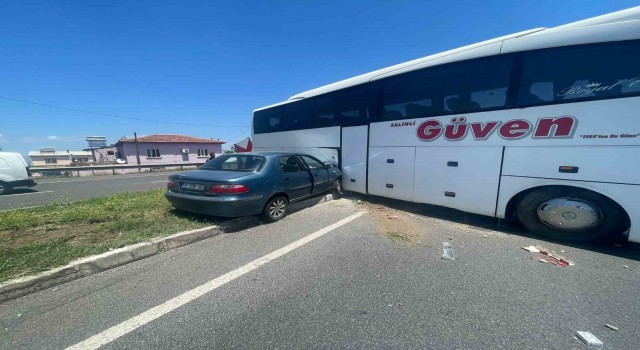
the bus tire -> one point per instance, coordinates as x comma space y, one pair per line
571, 214
276, 208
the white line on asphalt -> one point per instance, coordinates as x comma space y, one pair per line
106, 177
156, 182
133, 323
24, 194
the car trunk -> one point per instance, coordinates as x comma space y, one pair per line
199, 182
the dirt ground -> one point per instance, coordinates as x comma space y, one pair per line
403, 222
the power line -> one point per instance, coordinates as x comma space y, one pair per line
118, 116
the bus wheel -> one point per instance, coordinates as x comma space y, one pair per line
571, 214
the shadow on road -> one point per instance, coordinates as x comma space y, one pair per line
621, 248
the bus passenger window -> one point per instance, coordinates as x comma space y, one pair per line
582, 72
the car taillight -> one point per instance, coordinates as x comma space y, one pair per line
219, 189
171, 184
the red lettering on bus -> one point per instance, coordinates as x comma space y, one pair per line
515, 129
429, 130
482, 131
457, 130
555, 127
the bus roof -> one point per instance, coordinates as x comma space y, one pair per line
485, 48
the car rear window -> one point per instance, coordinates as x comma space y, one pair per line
235, 162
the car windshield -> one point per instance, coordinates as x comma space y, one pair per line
235, 162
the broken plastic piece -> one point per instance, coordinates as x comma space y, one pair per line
447, 251
612, 327
531, 249
589, 339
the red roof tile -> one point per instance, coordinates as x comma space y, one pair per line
172, 138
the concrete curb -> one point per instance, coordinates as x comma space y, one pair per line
98, 263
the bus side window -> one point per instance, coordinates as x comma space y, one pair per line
583, 72
324, 115
297, 115
267, 120
459, 87
357, 105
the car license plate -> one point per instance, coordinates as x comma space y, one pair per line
192, 187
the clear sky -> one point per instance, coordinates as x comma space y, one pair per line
213, 62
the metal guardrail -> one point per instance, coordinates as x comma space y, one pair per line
113, 168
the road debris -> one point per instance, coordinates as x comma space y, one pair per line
358, 201
392, 216
612, 327
543, 260
548, 256
485, 236
617, 245
447, 251
625, 266
531, 249
589, 339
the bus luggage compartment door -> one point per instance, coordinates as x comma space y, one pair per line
391, 172
354, 158
464, 178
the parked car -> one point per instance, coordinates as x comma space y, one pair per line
245, 184
14, 172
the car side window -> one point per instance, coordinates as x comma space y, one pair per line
290, 164
312, 163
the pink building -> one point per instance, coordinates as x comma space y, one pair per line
160, 149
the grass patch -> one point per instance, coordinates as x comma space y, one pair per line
38, 239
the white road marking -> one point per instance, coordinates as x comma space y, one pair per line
105, 177
24, 194
133, 323
155, 182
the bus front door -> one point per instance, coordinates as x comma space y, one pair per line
354, 158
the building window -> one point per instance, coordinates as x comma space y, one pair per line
82, 160
153, 153
51, 161
110, 153
203, 152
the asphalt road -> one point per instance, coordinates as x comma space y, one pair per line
350, 287
72, 189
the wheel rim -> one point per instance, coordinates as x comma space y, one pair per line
569, 214
277, 208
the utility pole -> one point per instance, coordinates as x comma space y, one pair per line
135, 138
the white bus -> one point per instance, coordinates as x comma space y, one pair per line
542, 126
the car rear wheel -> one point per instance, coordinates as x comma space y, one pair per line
4, 188
571, 214
276, 208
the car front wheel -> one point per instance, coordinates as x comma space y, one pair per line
336, 189
276, 209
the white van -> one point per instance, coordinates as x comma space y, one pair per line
14, 172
